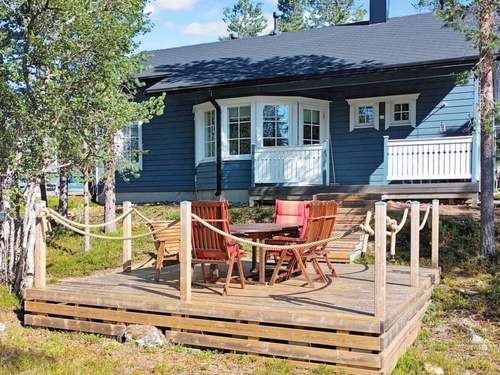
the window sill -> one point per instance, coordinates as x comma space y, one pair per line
203, 161
356, 127
237, 157
395, 124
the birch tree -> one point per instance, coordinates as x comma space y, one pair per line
63, 62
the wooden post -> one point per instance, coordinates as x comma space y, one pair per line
380, 258
40, 248
415, 244
185, 252
435, 233
127, 244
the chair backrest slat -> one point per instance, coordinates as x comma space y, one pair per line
206, 243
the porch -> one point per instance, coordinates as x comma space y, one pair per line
332, 323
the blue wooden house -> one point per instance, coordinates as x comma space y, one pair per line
370, 107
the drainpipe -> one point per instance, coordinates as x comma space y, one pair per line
218, 144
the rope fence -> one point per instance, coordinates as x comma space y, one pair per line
384, 227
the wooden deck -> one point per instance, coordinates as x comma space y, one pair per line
332, 323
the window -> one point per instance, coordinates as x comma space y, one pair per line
239, 121
401, 110
275, 125
311, 127
364, 113
365, 116
130, 144
209, 131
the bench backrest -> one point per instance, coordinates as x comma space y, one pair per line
171, 236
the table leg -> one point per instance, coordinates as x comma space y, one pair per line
262, 265
254, 260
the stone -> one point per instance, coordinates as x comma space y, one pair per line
3, 327
434, 370
479, 341
144, 335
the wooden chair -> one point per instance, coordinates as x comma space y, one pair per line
167, 243
319, 226
212, 248
292, 213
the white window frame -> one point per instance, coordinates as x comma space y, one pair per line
124, 143
199, 120
295, 131
324, 120
355, 104
391, 101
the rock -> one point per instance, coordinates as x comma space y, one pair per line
144, 335
434, 370
3, 327
480, 341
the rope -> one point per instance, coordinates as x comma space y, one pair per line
393, 225
425, 217
69, 226
55, 214
275, 247
145, 218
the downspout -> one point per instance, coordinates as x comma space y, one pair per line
218, 145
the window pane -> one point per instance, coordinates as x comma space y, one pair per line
397, 116
307, 131
405, 116
307, 142
233, 130
406, 107
307, 115
269, 129
315, 117
397, 108
245, 130
233, 147
269, 112
245, 113
282, 130
245, 146
315, 133
282, 112
269, 142
281, 142
233, 114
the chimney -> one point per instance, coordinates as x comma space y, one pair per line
378, 11
233, 36
276, 30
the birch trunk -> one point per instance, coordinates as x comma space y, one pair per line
63, 193
110, 197
487, 15
86, 210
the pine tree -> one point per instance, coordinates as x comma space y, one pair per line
335, 12
244, 18
478, 20
294, 14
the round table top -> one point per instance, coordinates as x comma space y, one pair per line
260, 228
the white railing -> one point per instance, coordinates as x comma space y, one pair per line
291, 165
447, 158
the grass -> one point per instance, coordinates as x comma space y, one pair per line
468, 298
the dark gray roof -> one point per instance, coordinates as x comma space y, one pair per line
401, 41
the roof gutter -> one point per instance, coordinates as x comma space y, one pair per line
218, 144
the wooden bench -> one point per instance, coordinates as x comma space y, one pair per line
167, 243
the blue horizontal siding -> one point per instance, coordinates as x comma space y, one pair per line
169, 165
236, 174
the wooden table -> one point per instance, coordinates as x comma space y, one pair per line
258, 232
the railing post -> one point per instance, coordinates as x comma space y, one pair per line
415, 244
185, 252
380, 258
435, 234
40, 266
385, 165
127, 244
324, 163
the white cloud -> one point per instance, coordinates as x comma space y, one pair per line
155, 6
217, 28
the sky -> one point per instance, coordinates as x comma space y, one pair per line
185, 22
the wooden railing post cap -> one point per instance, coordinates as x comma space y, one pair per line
380, 204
